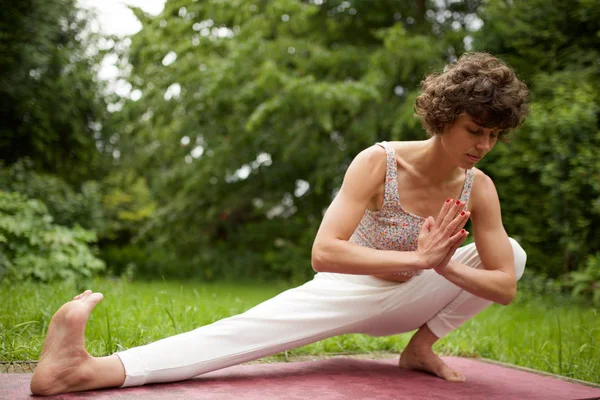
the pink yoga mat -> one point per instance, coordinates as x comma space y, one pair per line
338, 378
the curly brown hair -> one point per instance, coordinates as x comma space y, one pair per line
478, 84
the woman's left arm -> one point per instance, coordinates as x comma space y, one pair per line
496, 281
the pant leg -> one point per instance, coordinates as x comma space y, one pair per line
466, 305
329, 305
324, 307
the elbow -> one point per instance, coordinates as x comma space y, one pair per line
322, 257
508, 296
317, 260
505, 301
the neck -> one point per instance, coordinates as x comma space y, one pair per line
434, 163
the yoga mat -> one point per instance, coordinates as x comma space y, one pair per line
337, 378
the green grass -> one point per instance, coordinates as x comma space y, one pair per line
547, 333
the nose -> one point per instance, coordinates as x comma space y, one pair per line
485, 144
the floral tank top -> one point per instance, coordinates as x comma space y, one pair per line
392, 227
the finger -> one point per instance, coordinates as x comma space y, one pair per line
431, 223
447, 204
452, 212
461, 237
459, 242
453, 243
458, 238
427, 225
457, 223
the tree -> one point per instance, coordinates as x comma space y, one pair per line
549, 176
51, 102
250, 111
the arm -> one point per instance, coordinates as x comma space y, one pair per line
332, 252
497, 281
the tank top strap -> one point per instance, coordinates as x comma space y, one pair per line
391, 176
466, 191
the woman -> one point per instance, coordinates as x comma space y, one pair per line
385, 264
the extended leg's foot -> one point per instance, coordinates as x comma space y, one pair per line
65, 365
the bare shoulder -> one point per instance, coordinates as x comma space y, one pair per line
483, 192
364, 176
482, 182
373, 154
371, 162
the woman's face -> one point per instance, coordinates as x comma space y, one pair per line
467, 142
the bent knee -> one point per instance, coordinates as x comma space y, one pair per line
520, 257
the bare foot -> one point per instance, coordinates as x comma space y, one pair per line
65, 365
424, 359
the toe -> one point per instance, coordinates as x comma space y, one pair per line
458, 377
93, 299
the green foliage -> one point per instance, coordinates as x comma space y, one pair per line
542, 35
51, 101
67, 206
32, 246
116, 207
548, 178
127, 204
250, 113
586, 282
146, 262
535, 285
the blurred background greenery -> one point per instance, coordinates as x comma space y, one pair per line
242, 117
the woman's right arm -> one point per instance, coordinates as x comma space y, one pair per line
332, 252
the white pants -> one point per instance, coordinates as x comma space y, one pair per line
329, 305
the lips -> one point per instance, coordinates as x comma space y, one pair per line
473, 158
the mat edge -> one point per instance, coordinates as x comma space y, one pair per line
384, 355
535, 371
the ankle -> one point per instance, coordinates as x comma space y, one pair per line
424, 338
418, 347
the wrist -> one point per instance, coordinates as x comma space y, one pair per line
422, 262
447, 269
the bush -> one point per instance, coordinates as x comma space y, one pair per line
146, 262
32, 246
67, 206
586, 282
538, 284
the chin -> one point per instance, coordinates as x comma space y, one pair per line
467, 164
464, 162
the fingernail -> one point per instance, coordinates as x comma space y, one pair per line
447, 200
457, 202
462, 213
462, 231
